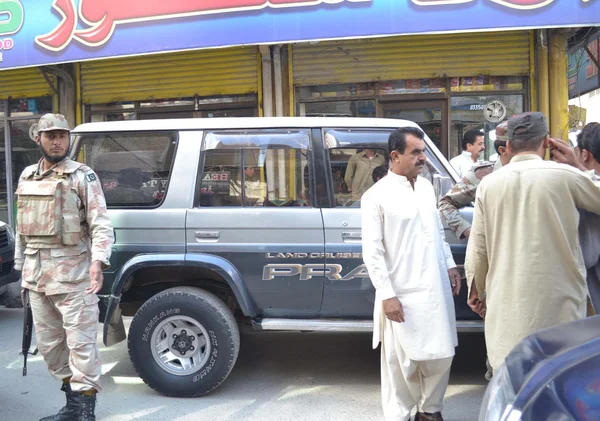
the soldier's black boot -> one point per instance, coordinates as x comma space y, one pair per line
70, 411
87, 407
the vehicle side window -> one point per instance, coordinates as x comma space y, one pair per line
359, 158
354, 171
134, 168
256, 168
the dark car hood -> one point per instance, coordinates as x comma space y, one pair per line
545, 344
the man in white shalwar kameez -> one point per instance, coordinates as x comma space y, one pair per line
524, 264
412, 269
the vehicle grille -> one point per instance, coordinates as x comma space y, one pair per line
6, 267
3, 238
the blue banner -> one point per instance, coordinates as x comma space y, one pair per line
38, 32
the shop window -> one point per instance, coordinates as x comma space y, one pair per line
25, 151
413, 86
486, 83
174, 102
134, 168
115, 111
22, 114
229, 99
185, 107
112, 117
21, 107
365, 108
480, 113
265, 168
336, 91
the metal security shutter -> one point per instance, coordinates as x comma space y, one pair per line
24, 83
208, 72
411, 57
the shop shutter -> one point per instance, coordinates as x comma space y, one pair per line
208, 72
24, 83
411, 57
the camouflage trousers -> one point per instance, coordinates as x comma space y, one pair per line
66, 328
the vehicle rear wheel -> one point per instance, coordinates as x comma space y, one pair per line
183, 342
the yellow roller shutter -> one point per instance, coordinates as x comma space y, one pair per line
207, 72
24, 83
412, 57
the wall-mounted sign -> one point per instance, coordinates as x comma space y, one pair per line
38, 32
494, 111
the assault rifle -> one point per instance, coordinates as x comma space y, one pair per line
27, 331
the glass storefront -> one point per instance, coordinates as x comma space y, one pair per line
469, 113
189, 107
19, 115
445, 108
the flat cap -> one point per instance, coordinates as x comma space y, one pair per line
527, 126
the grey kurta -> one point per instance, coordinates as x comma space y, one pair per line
524, 250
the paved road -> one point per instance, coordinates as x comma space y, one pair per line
278, 376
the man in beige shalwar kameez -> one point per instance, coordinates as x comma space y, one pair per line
524, 265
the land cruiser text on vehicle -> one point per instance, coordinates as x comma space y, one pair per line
225, 221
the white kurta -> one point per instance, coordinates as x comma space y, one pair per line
463, 163
407, 257
524, 251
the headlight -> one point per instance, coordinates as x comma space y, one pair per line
498, 399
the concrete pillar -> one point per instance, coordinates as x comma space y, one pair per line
543, 91
559, 85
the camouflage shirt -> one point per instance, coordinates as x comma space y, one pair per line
460, 196
58, 269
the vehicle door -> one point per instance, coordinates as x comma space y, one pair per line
348, 289
255, 209
136, 170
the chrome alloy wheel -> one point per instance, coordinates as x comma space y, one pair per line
180, 345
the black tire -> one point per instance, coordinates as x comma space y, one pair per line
205, 309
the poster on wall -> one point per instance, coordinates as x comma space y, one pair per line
41, 32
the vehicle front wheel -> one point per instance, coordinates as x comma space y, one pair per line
183, 342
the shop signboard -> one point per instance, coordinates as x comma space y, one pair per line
583, 72
41, 32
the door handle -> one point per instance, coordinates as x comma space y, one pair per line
207, 235
352, 237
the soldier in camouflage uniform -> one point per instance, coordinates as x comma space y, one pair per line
463, 192
64, 240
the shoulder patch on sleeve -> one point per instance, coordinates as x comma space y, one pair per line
91, 177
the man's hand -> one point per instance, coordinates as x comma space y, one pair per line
477, 305
96, 278
392, 307
466, 233
23, 296
455, 280
480, 173
564, 154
